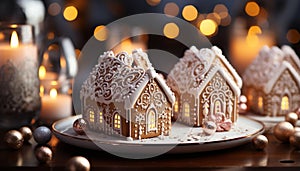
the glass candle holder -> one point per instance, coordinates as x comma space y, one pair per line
19, 84
55, 72
56, 103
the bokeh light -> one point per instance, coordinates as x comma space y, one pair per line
189, 13
252, 9
226, 21
254, 30
50, 35
293, 36
208, 27
220, 8
171, 30
215, 17
77, 52
70, 13
100, 33
171, 9
153, 2
54, 9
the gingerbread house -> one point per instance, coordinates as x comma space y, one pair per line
272, 82
124, 95
205, 85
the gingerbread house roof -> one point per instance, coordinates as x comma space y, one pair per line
285, 66
121, 78
268, 66
197, 66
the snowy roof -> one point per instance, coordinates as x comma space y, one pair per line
268, 65
190, 73
121, 78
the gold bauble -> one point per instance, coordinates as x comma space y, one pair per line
26, 132
292, 118
14, 139
43, 154
283, 130
295, 139
260, 142
78, 163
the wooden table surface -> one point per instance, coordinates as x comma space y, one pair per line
275, 157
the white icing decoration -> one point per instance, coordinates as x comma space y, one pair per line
117, 83
273, 74
205, 70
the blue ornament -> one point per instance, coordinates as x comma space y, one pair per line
42, 135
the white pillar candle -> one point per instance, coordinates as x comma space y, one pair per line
19, 93
55, 106
17, 53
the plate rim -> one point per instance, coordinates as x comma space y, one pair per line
60, 133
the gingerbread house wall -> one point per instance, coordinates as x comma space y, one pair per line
107, 118
197, 105
272, 103
285, 87
256, 100
152, 100
218, 96
188, 112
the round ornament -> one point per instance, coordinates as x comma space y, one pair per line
43, 154
14, 139
26, 132
79, 126
283, 130
292, 118
209, 127
295, 139
243, 99
260, 142
42, 135
297, 129
243, 107
78, 163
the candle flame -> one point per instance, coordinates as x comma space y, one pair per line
14, 40
42, 72
53, 83
53, 93
63, 63
42, 89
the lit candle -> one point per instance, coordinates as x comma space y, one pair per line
244, 48
55, 106
19, 92
128, 46
16, 52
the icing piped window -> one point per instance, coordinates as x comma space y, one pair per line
176, 106
100, 116
117, 121
92, 115
260, 102
285, 103
186, 108
151, 120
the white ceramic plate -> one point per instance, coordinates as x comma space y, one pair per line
268, 121
182, 139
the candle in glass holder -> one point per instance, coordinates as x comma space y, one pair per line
19, 83
55, 106
246, 44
